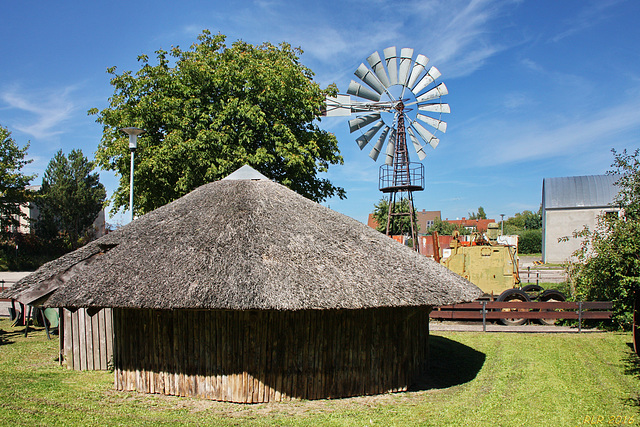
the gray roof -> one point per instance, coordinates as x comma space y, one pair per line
243, 244
593, 191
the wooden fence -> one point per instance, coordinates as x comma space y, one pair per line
494, 310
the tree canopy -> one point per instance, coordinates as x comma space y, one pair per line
526, 220
211, 109
478, 215
401, 225
70, 199
13, 181
446, 228
608, 267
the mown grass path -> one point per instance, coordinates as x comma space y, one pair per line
491, 379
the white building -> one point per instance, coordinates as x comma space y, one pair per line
569, 204
31, 213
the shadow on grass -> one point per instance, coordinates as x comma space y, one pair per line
450, 364
4, 337
632, 367
7, 337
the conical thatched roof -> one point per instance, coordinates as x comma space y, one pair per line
243, 243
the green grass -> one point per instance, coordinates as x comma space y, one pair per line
492, 379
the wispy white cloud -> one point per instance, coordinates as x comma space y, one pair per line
565, 136
516, 100
458, 35
566, 80
466, 40
47, 110
592, 15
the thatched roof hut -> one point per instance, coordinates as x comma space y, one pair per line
242, 290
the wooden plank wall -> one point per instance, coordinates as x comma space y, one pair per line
87, 341
263, 356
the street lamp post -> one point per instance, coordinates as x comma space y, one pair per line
133, 144
501, 224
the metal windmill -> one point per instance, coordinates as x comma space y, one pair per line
400, 95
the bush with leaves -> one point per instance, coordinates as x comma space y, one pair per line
608, 266
530, 241
446, 228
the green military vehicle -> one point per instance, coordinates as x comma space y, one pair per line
493, 267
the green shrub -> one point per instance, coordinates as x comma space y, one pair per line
530, 241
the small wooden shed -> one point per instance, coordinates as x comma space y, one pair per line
244, 291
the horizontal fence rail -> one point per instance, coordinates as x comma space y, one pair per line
494, 310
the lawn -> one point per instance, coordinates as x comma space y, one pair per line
492, 379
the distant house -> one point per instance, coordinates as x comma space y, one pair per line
479, 225
426, 219
569, 204
31, 213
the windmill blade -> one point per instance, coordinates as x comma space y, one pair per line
367, 76
434, 93
391, 149
375, 62
425, 134
406, 54
358, 90
434, 123
362, 121
392, 65
337, 106
428, 78
364, 139
435, 108
375, 151
418, 68
416, 144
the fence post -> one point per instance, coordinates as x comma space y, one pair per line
580, 317
484, 316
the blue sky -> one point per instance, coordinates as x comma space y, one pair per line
537, 88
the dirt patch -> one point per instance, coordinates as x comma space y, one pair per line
161, 402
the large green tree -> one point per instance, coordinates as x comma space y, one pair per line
13, 181
209, 110
608, 267
70, 199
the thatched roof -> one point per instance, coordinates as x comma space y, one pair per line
243, 243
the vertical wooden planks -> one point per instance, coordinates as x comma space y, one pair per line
218, 351
205, 351
101, 340
68, 338
256, 356
117, 367
108, 327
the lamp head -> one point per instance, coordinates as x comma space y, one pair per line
133, 136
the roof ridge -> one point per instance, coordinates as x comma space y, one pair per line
245, 172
